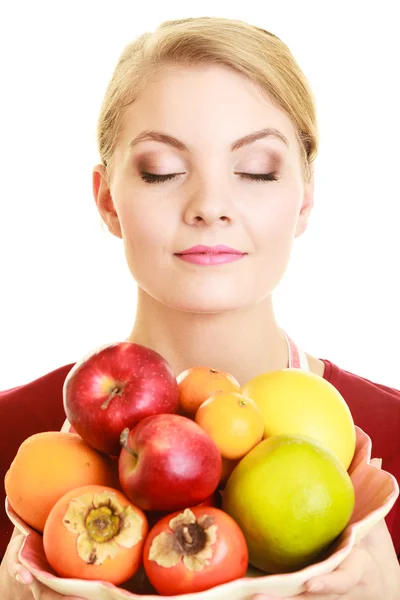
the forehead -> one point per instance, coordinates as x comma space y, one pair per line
207, 106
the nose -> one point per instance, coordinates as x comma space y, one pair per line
208, 202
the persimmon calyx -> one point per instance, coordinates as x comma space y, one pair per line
190, 540
102, 524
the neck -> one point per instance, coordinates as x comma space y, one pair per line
244, 343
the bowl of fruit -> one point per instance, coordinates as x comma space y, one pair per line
192, 487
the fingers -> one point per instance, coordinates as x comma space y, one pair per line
343, 579
22, 584
22, 575
14, 567
17, 582
41, 592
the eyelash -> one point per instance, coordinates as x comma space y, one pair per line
151, 178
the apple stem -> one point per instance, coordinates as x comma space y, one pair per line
187, 536
110, 397
123, 439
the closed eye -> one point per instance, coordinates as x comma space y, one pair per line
154, 178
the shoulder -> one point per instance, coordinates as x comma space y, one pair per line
359, 389
32, 407
375, 408
49, 381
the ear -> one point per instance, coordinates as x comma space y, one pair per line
104, 201
306, 206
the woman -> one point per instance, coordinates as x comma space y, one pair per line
207, 136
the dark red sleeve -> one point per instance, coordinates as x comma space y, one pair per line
25, 410
376, 410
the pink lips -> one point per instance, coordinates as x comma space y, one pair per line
210, 255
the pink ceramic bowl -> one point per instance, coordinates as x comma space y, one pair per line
375, 490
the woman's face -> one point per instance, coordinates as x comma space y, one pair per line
207, 202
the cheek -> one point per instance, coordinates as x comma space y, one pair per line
276, 223
138, 223
144, 235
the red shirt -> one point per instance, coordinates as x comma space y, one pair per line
38, 406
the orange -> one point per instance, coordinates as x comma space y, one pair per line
197, 384
49, 464
227, 468
233, 421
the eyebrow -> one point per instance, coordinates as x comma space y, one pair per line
158, 136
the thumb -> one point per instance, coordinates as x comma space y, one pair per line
376, 462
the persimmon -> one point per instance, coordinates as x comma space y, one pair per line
49, 464
196, 384
193, 550
233, 421
95, 532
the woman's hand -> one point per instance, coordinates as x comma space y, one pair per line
370, 572
17, 583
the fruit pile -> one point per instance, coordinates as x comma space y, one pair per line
190, 478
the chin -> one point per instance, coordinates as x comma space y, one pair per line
210, 303
212, 297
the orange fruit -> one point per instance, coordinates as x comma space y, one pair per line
197, 384
227, 468
50, 464
233, 421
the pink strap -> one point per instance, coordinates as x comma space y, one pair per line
297, 358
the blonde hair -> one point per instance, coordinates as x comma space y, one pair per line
252, 51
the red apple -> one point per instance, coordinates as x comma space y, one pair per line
115, 387
168, 462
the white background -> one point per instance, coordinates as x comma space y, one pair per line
65, 286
